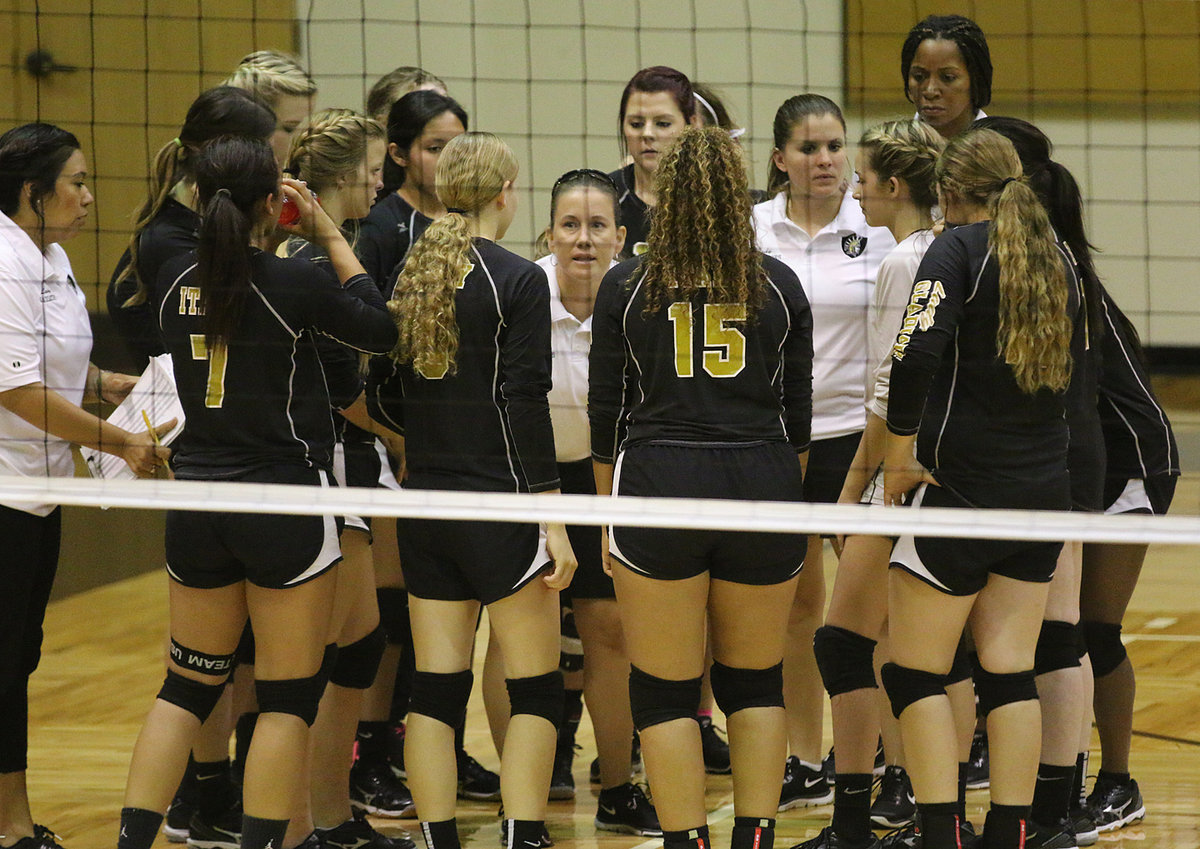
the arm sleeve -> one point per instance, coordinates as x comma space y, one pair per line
606, 368
385, 393
370, 247
343, 377
930, 321
354, 315
797, 361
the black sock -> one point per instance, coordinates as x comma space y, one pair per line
187, 785
522, 833
939, 824
441, 835
1106, 777
852, 806
213, 791
139, 827
692, 838
258, 833
1006, 825
1052, 794
1079, 783
458, 740
963, 769
372, 739
753, 833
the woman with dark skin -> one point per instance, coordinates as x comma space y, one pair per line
947, 72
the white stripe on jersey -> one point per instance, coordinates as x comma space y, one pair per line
501, 413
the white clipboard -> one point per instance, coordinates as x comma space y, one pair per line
154, 393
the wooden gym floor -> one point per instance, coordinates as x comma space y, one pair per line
102, 665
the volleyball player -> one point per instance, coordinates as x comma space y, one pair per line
896, 189
947, 71
467, 388
239, 323
278, 81
700, 374
979, 372
814, 225
656, 105
394, 85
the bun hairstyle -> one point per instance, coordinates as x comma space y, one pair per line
654, 79
406, 121
220, 111
907, 150
711, 108
234, 176
32, 153
395, 84
270, 75
1034, 331
972, 45
790, 113
701, 235
471, 173
330, 144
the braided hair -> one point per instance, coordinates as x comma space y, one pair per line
971, 43
330, 144
907, 150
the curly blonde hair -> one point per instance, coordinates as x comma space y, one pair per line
330, 144
1034, 332
471, 173
701, 236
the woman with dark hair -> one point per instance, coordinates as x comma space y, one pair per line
419, 126
947, 71
979, 375
656, 105
45, 375
700, 386
166, 223
240, 324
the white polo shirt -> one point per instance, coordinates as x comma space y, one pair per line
837, 267
570, 343
45, 337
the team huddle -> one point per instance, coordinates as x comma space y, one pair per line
920, 323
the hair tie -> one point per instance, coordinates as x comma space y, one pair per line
1006, 181
708, 108
178, 143
223, 191
455, 209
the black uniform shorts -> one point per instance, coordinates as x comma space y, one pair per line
754, 472
962, 566
273, 551
357, 464
456, 560
1139, 495
590, 581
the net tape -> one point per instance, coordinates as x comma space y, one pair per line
713, 514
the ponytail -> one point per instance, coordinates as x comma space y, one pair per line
162, 180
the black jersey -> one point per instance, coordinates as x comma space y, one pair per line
635, 214
385, 237
169, 233
1138, 439
979, 434
699, 372
1085, 457
485, 426
264, 401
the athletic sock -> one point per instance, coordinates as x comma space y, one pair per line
213, 789
852, 806
1106, 777
1052, 793
753, 833
692, 838
442, 834
963, 769
372, 740
258, 833
1006, 825
1079, 782
522, 833
139, 827
939, 824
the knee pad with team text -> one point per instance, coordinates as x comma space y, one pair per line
196, 697
995, 690
735, 688
296, 696
358, 662
1057, 647
1104, 646
538, 695
845, 659
905, 685
654, 700
441, 695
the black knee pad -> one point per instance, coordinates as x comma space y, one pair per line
358, 662
735, 688
845, 660
442, 695
1104, 646
905, 685
196, 697
393, 615
654, 700
296, 696
1057, 647
960, 667
999, 689
539, 695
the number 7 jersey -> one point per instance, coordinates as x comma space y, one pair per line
699, 372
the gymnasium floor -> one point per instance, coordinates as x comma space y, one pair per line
102, 665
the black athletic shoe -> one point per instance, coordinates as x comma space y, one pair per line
357, 833
907, 837
395, 748
221, 832
895, 806
179, 814
716, 749
43, 838
1115, 804
594, 771
547, 840
1086, 833
1060, 835
562, 782
375, 789
475, 781
829, 839
626, 809
803, 787
977, 767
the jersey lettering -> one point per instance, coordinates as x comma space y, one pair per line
724, 347
919, 314
214, 393
189, 300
